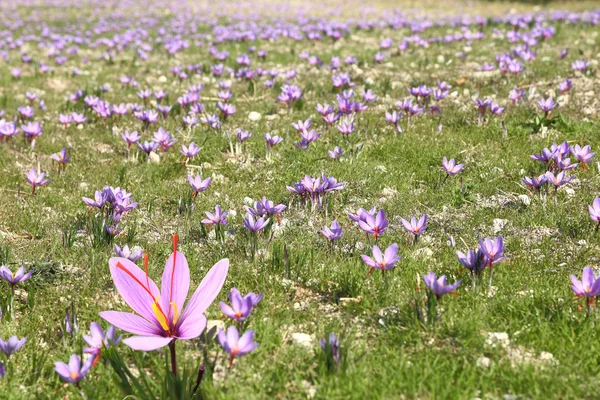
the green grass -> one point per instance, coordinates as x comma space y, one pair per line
389, 353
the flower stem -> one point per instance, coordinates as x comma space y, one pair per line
173, 357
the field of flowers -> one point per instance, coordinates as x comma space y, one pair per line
299, 200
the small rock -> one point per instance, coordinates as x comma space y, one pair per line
254, 116
499, 224
525, 199
154, 157
483, 362
303, 339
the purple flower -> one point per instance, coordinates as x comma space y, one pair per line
516, 94
492, 251
130, 138
60, 157
198, 185
547, 105
579, 65
595, 210
148, 147
97, 340
558, 179
132, 255
255, 225
218, 218
589, 286
565, 86
240, 306
190, 151
242, 135
346, 128
161, 315
333, 233
438, 286
545, 155
375, 225
331, 347
337, 152
451, 167
36, 179
234, 345
415, 227
12, 345
272, 140
471, 260
99, 199
584, 154
534, 182
74, 371
382, 261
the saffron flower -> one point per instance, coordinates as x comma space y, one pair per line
218, 218
234, 345
255, 225
332, 349
12, 345
438, 286
492, 251
14, 277
415, 227
376, 225
190, 151
333, 233
594, 210
130, 138
558, 179
61, 158
384, 261
240, 306
547, 105
74, 371
36, 179
589, 286
337, 152
451, 167
583, 154
131, 254
97, 340
198, 185
163, 316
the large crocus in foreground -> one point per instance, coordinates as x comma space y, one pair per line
161, 316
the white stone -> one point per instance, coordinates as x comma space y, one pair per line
303, 339
254, 116
483, 362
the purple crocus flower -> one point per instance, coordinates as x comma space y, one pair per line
161, 314
471, 260
337, 152
132, 255
516, 94
255, 225
547, 105
545, 155
438, 286
333, 233
594, 210
190, 151
234, 345
98, 201
375, 225
148, 147
451, 167
583, 154
589, 286
74, 371
97, 340
534, 182
131, 138
36, 179
558, 179
12, 345
492, 251
198, 185
331, 347
32, 130
565, 86
272, 140
60, 157
346, 128
415, 227
240, 306
383, 261
218, 218
242, 135
579, 65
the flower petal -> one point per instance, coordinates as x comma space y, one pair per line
147, 343
207, 291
